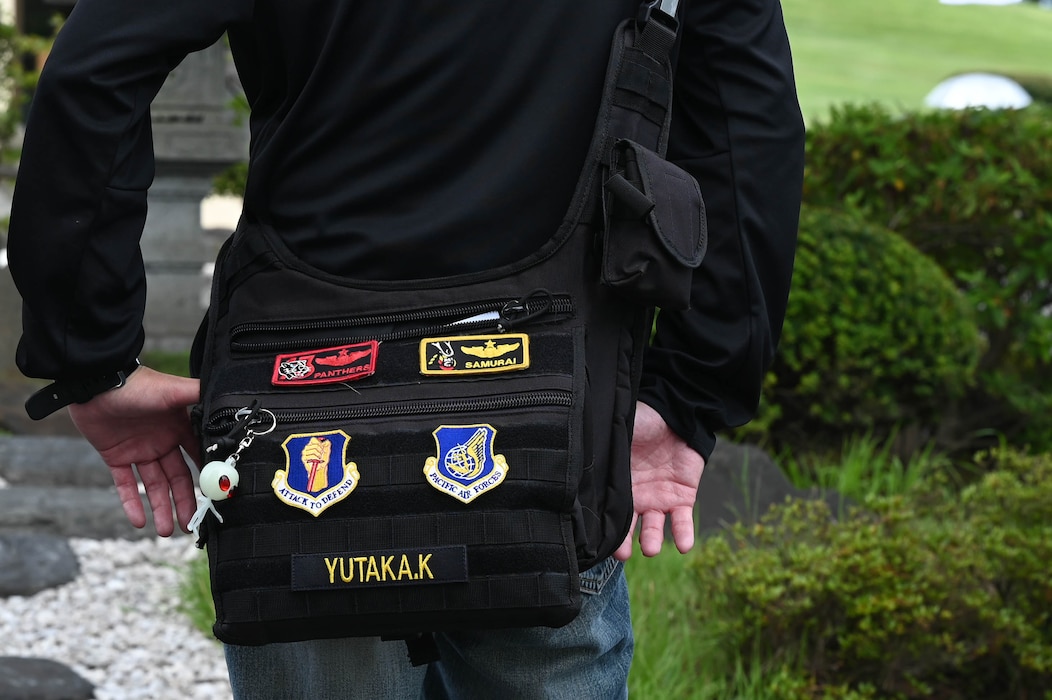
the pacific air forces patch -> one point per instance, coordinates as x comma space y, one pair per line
474, 354
465, 467
326, 366
317, 473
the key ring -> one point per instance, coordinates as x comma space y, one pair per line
257, 412
250, 435
219, 478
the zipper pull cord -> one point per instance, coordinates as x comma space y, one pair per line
517, 312
245, 417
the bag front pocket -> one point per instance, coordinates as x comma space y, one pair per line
403, 502
497, 315
394, 348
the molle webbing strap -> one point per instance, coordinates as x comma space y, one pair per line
516, 527
404, 470
328, 616
637, 97
640, 89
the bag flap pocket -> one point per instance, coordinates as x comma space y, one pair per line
656, 231
678, 215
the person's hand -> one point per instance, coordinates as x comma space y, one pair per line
140, 428
665, 477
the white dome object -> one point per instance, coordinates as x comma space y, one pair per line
978, 90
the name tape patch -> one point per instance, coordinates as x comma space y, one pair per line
326, 366
392, 567
474, 354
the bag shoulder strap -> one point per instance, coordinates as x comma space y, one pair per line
637, 100
636, 103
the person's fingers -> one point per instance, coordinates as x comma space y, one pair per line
159, 494
624, 552
128, 492
182, 391
683, 529
651, 532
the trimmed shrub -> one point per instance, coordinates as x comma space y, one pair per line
876, 336
933, 595
231, 181
973, 190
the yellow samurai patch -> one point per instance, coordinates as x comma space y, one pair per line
474, 354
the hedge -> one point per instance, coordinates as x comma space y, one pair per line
931, 595
876, 337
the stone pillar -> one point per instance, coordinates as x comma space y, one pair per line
195, 137
11, 323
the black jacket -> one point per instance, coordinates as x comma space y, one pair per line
412, 138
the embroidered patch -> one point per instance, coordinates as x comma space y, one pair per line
390, 567
465, 467
475, 354
327, 366
317, 473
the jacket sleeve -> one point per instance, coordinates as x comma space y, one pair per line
87, 160
737, 128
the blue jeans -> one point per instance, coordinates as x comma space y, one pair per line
585, 660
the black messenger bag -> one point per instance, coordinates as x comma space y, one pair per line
444, 454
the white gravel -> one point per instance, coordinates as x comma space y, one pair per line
117, 625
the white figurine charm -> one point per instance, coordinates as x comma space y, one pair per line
219, 479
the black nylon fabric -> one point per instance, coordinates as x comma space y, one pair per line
542, 444
562, 425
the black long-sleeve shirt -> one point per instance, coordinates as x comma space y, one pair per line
412, 138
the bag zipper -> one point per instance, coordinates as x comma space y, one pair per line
499, 315
222, 418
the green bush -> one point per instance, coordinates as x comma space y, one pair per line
231, 181
933, 595
18, 79
876, 336
973, 190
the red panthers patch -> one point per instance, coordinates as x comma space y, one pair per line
327, 366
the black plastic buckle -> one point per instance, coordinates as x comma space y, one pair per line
663, 11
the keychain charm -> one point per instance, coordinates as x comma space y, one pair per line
219, 478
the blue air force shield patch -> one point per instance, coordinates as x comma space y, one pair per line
465, 467
317, 473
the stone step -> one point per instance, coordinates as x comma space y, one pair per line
41, 679
31, 562
740, 483
69, 512
51, 460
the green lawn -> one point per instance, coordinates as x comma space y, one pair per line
896, 51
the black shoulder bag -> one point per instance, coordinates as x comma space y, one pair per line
409, 457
